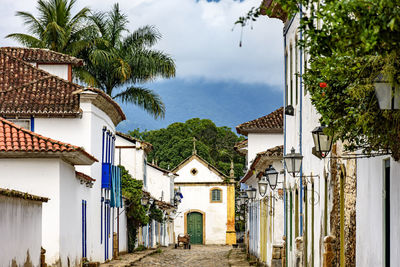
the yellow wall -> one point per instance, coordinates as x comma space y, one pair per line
230, 225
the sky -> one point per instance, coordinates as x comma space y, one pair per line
216, 79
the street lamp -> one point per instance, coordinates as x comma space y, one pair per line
272, 176
251, 193
322, 142
293, 162
388, 96
144, 201
263, 185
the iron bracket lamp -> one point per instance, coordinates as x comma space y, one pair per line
388, 95
293, 162
251, 193
322, 142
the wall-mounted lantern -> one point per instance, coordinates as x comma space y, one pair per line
322, 142
388, 95
251, 193
293, 162
262, 185
272, 176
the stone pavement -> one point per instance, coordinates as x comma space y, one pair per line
198, 256
129, 259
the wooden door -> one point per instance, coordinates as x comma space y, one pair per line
195, 227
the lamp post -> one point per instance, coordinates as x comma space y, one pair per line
262, 186
293, 162
322, 142
388, 95
272, 177
251, 193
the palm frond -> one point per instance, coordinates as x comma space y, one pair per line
117, 24
144, 98
27, 40
33, 24
86, 77
144, 36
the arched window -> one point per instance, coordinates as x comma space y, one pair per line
215, 195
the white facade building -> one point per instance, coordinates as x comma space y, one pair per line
206, 211
78, 218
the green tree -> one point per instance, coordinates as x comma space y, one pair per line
136, 213
56, 28
174, 144
118, 64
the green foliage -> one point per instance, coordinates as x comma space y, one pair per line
56, 28
118, 60
350, 43
140, 248
174, 144
156, 214
135, 211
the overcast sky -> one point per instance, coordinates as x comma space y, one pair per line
214, 75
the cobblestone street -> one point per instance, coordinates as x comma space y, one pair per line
198, 256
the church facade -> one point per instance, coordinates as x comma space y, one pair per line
207, 209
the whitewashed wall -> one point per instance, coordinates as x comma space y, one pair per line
60, 70
259, 142
20, 231
158, 184
369, 212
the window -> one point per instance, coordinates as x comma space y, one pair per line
194, 171
24, 123
216, 195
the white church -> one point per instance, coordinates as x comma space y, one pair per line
207, 210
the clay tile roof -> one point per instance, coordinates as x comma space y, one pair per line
145, 145
40, 55
19, 194
19, 141
81, 175
271, 123
29, 91
275, 153
161, 169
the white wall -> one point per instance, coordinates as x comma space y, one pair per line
60, 70
204, 174
158, 184
20, 231
369, 212
259, 142
198, 198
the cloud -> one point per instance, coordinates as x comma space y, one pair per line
197, 34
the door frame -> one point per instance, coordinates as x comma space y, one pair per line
204, 222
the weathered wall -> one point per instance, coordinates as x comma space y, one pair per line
20, 231
258, 142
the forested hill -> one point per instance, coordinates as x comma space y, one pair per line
174, 144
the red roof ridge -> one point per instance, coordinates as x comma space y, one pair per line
62, 58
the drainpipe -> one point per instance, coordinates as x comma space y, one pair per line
301, 127
284, 148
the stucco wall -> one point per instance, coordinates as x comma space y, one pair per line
158, 184
369, 216
20, 231
60, 70
259, 142
204, 173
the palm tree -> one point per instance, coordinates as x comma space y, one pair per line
55, 28
118, 64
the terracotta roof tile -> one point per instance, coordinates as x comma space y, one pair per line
14, 138
40, 55
81, 175
146, 145
271, 123
19, 194
29, 91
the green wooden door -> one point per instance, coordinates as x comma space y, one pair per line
195, 227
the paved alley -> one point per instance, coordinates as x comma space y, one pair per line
198, 256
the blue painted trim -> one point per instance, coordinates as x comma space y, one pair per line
102, 148
83, 232
85, 229
301, 127
32, 124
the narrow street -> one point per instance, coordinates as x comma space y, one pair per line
198, 256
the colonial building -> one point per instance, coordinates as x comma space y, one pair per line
207, 209
81, 219
265, 217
